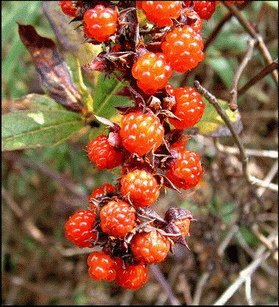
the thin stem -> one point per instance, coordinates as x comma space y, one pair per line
160, 277
233, 93
260, 43
244, 159
216, 30
265, 71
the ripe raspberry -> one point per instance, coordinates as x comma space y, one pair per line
79, 228
140, 187
141, 132
194, 20
117, 218
183, 48
103, 190
103, 154
133, 276
101, 266
152, 72
205, 9
185, 170
189, 107
100, 23
69, 8
150, 247
161, 12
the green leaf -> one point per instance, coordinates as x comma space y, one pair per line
211, 124
105, 98
36, 102
224, 69
32, 128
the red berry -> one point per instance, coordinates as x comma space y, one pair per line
205, 9
152, 72
117, 218
69, 8
103, 154
101, 266
79, 228
194, 20
189, 107
183, 48
132, 276
140, 187
161, 12
185, 170
100, 22
103, 190
150, 247
141, 132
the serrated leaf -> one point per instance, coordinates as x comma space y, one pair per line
32, 128
211, 124
105, 98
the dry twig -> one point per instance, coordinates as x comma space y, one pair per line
244, 159
233, 93
260, 43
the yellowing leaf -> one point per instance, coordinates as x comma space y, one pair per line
213, 125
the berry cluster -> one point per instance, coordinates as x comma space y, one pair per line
149, 144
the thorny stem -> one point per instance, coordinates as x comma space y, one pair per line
233, 93
244, 159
